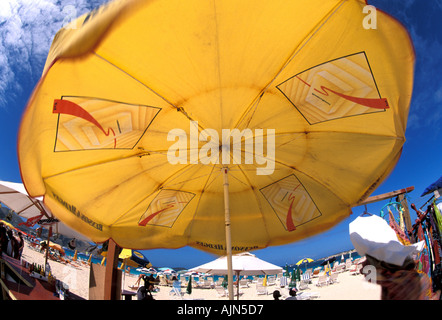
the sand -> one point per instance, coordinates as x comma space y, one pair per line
76, 276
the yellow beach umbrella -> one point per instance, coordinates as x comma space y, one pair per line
7, 224
222, 125
305, 260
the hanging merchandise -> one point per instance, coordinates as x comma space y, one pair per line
438, 216
426, 228
435, 220
396, 223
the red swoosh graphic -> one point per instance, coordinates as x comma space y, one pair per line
289, 220
153, 215
376, 103
73, 109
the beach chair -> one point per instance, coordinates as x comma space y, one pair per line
221, 291
260, 289
163, 281
219, 282
243, 283
333, 278
208, 283
307, 295
322, 280
316, 273
305, 281
271, 280
176, 290
283, 282
356, 269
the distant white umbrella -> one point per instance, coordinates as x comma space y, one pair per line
242, 264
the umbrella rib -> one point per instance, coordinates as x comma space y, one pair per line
254, 104
218, 56
180, 109
89, 165
206, 184
256, 196
137, 80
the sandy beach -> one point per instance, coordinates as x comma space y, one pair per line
348, 287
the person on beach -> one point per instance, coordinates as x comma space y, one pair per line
21, 245
276, 295
3, 240
12, 245
292, 294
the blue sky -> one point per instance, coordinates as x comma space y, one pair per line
27, 28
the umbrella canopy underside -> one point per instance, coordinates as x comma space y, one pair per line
128, 131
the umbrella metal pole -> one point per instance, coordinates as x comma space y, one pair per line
228, 235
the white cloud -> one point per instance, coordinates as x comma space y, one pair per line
27, 28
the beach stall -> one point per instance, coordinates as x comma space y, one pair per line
226, 126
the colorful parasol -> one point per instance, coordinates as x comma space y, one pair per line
223, 125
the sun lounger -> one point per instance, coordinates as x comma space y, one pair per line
206, 283
333, 278
316, 272
356, 269
307, 295
219, 282
322, 280
260, 289
271, 280
221, 291
305, 281
163, 281
243, 283
340, 268
283, 282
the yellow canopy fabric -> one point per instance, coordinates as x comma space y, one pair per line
305, 260
124, 133
9, 225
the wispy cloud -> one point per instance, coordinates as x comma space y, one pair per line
27, 28
427, 95
422, 20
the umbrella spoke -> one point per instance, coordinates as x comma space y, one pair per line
137, 80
